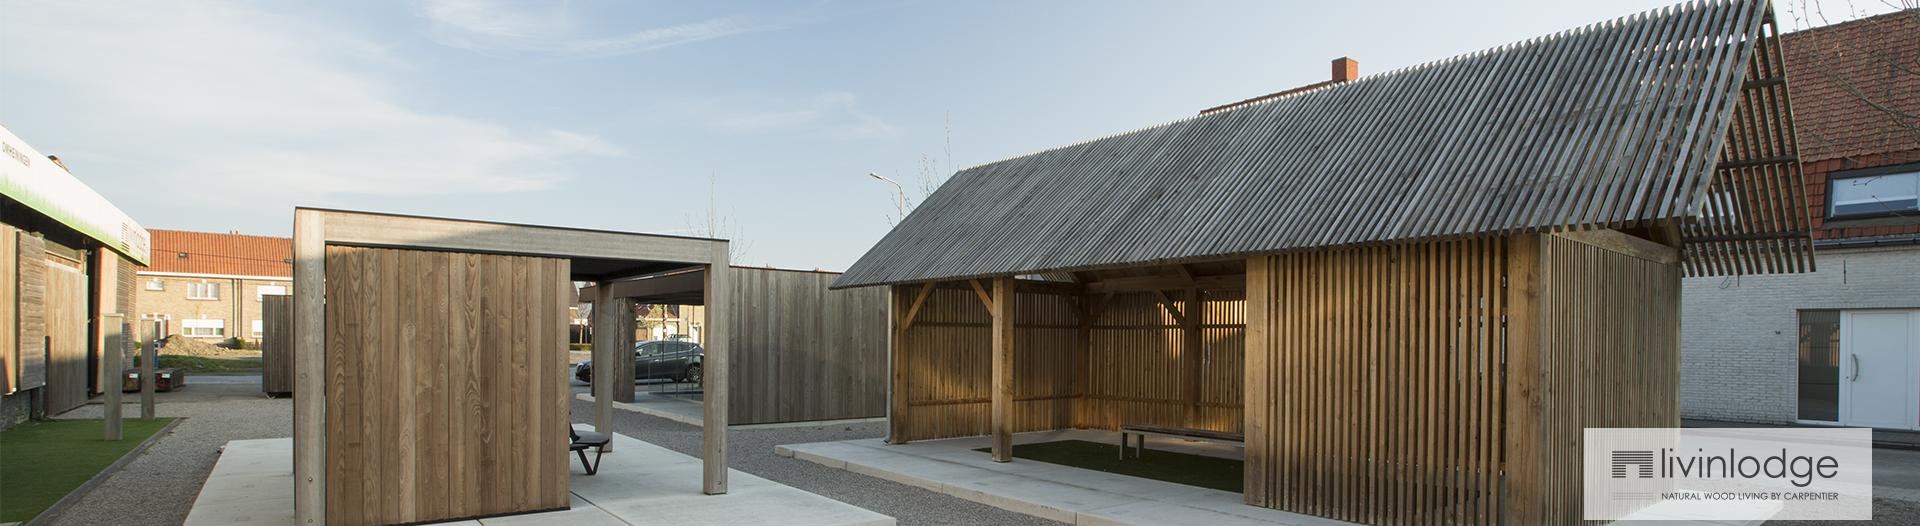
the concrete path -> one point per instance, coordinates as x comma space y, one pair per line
1052, 491
639, 484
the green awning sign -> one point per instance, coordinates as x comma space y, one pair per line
35, 181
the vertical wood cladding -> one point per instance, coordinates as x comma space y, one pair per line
446, 396
276, 344
802, 352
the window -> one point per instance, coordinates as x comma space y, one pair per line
258, 329
1874, 192
269, 290
156, 284
203, 291
204, 328
1820, 365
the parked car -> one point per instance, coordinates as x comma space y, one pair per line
679, 361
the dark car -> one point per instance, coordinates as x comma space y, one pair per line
658, 359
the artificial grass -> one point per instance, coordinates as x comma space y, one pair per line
203, 365
1179, 468
41, 461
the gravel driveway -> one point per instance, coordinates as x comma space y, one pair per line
160, 485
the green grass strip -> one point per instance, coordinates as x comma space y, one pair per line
1167, 466
41, 461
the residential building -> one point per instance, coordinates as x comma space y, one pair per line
208, 285
1840, 345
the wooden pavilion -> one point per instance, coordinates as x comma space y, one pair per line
1410, 291
430, 354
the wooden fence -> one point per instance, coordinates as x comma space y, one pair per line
803, 352
276, 345
445, 396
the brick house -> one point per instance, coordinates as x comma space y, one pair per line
207, 285
1840, 345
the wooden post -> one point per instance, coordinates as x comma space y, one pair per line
1193, 317
113, 340
897, 389
1523, 443
1003, 299
1257, 393
309, 368
612, 337
147, 382
719, 314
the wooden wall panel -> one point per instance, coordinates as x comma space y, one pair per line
67, 341
1141, 370
276, 345
1374, 382
1608, 356
9, 310
803, 352
30, 260
948, 363
444, 393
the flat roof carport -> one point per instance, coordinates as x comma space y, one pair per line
593, 255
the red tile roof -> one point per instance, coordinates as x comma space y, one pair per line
227, 254
1838, 74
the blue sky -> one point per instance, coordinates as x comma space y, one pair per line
222, 116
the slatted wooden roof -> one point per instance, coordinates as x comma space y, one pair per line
1672, 117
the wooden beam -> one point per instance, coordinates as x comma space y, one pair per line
1179, 317
913, 311
1146, 283
400, 231
1003, 340
1626, 244
719, 353
309, 361
978, 290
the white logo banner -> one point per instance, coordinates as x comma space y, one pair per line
1729, 474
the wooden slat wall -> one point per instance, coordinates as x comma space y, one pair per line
802, 352
1139, 364
1374, 383
445, 394
1609, 356
276, 345
30, 258
948, 361
66, 333
9, 311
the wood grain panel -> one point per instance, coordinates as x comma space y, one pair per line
9, 310
66, 335
444, 395
30, 260
804, 352
276, 345
946, 362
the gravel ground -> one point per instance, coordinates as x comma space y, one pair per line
751, 450
160, 485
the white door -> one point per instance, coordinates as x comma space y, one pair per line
1878, 353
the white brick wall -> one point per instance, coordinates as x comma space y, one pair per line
1739, 336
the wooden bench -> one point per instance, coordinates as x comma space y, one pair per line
1141, 431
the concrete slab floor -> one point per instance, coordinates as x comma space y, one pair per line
639, 484
1062, 493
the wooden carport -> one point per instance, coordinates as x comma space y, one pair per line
429, 361
1410, 291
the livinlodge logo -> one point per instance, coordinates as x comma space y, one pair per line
1728, 474
1798, 470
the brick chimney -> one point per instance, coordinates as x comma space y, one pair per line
1345, 69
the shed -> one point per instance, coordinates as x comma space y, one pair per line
429, 358
1410, 291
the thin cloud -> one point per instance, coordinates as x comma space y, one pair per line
836, 114
224, 101
492, 26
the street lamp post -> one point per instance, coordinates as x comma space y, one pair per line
897, 189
